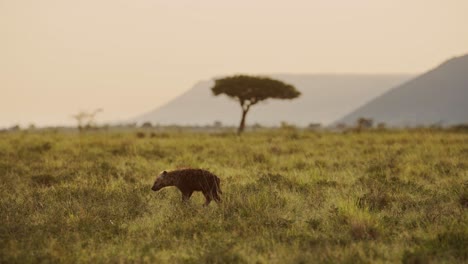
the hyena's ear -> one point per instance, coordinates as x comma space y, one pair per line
164, 172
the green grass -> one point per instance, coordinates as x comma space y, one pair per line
289, 197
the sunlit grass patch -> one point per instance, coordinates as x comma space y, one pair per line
288, 196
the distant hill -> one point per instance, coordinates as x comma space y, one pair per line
439, 97
324, 99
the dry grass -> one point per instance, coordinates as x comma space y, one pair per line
289, 196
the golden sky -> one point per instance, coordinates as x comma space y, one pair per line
58, 57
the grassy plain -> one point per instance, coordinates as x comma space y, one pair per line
289, 197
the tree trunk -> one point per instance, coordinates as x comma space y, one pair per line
242, 123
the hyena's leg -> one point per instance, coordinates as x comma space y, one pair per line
186, 195
208, 198
215, 196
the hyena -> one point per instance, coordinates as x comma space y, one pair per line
190, 180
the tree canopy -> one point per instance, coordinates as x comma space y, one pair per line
251, 89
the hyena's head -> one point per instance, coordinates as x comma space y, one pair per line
161, 181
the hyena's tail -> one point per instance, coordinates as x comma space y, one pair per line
218, 185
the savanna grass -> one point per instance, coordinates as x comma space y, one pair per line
289, 197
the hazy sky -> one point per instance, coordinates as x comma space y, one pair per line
58, 57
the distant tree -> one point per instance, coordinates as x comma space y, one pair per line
217, 124
341, 126
85, 119
257, 126
92, 118
381, 126
249, 90
314, 126
147, 125
80, 119
15, 128
287, 126
363, 123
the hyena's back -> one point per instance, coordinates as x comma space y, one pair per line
197, 180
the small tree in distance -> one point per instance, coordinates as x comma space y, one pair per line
86, 120
249, 90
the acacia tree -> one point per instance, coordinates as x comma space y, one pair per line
85, 119
249, 90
